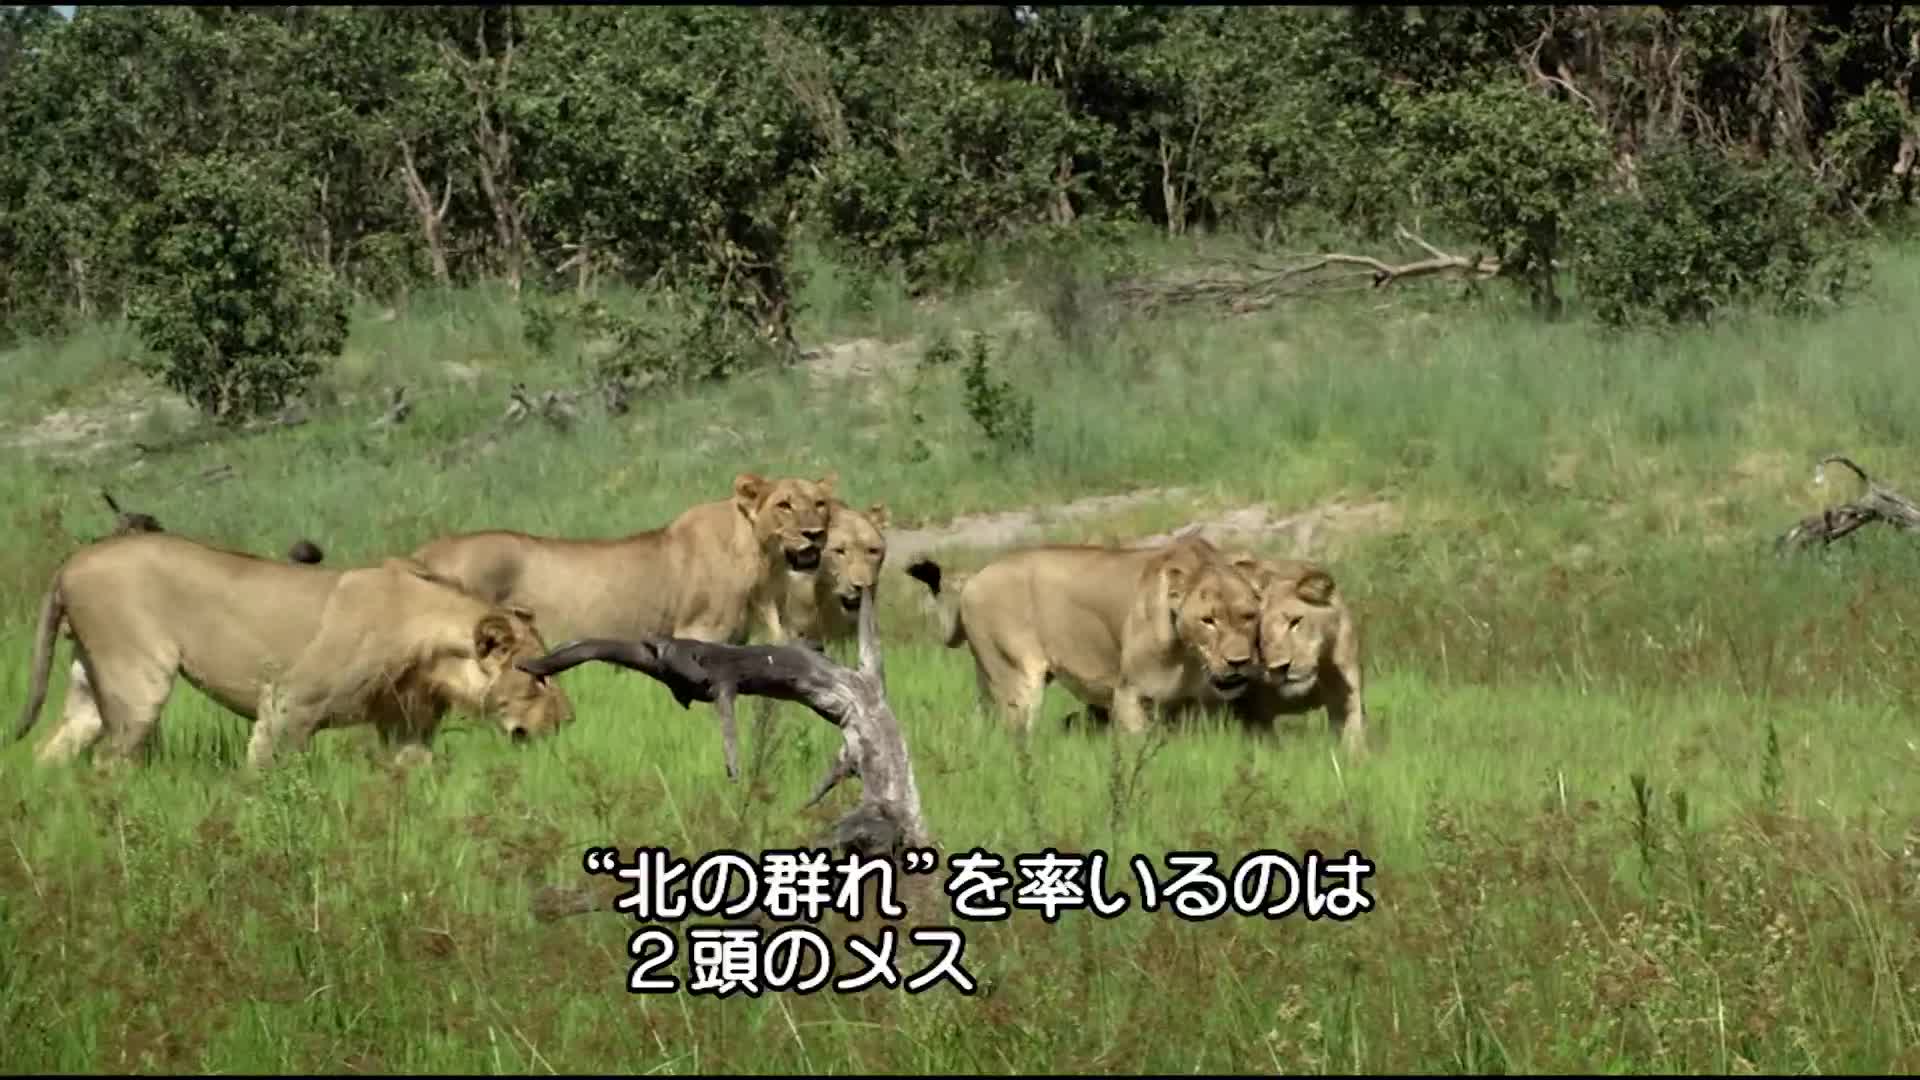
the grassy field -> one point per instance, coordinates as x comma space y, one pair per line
1634, 776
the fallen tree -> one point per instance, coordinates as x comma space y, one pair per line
1878, 504
1253, 284
886, 821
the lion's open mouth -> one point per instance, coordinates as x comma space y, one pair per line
804, 559
851, 603
1231, 683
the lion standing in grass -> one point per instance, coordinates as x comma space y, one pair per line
390, 645
1123, 628
1309, 649
825, 605
80, 722
709, 574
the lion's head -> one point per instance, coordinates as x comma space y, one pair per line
1216, 614
524, 705
1298, 621
789, 515
855, 550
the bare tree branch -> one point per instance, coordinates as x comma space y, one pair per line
1255, 284
1878, 504
887, 820
398, 409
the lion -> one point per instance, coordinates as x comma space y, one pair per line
1309, 649
825, 605
391, 645
80, 714
1119, 627
706, 575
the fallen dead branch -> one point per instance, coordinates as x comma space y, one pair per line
398, 409
887, 819
1878, 504
554, 406
1254, 284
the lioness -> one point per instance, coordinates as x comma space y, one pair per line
825, 605
1120, 627
1309, 649
389, 644
701, 576
80, 721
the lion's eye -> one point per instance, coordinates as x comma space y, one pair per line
875, 552
784, 505
1293, 622
839, 551
1206, 620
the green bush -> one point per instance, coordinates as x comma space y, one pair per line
1704, 232
1506, 165
231, 318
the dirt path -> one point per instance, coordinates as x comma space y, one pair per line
1307, 529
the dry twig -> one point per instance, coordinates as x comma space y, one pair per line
1878, 504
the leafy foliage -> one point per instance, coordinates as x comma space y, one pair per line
1003, 414
234, 321
682, 150
1704, 232
1507, 164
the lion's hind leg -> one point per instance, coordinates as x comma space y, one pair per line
1011, 690
80, 720
129, 690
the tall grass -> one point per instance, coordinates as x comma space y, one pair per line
1638, 797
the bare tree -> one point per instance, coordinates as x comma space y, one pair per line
887, 819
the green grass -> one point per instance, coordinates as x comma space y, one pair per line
1577, 591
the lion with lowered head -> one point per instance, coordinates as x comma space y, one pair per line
710, 574
825, 605
389, 645
1309, 649
1124, 629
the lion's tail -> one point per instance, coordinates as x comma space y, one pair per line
53, 610
947, 605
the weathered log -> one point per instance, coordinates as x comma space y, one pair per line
1255, 284
887, 819
1878, 504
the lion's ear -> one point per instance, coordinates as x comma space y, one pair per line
828, 482
1315, 587
748, 489
878, 514
492, 635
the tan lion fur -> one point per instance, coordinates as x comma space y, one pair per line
80, 720
709, 574
389, 645
1309, 649
1121, 628
825, 606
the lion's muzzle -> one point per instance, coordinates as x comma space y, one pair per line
850, 602
1230, 683
1290, 680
